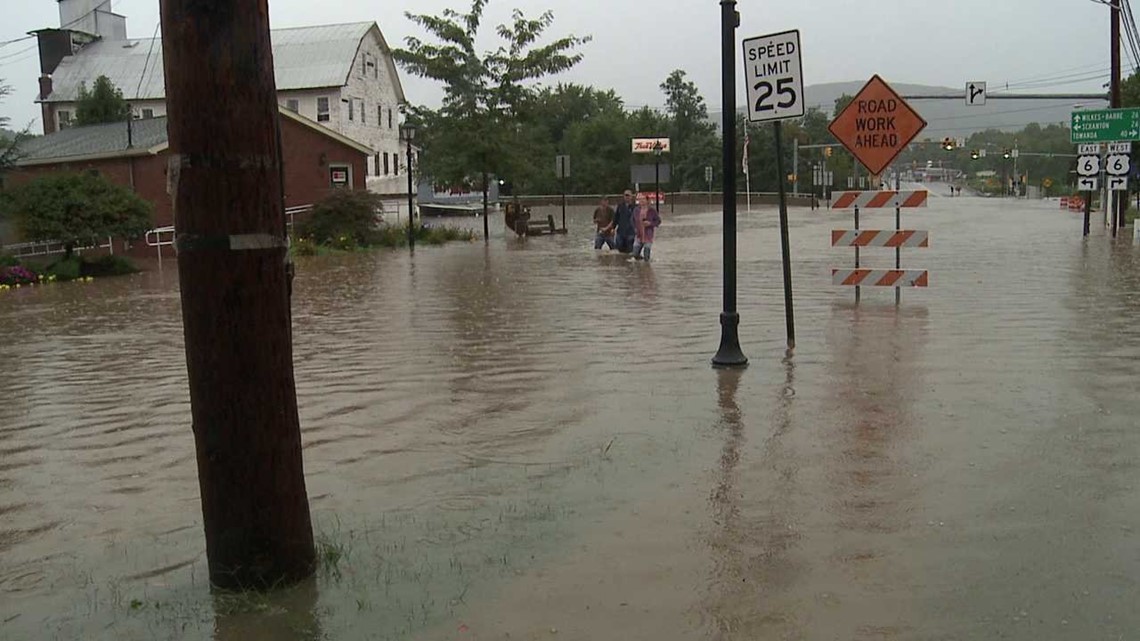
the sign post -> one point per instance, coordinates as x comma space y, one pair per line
774, 74
708, 179
875, 127
562, 169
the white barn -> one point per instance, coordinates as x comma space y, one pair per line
341, 76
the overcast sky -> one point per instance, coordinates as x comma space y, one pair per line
638, 42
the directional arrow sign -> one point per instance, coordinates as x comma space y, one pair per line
1117, 183
975, 94
1105, 125
1086, 184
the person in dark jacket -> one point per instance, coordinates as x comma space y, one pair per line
623, 223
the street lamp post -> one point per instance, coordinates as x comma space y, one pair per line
408, 133
729, 354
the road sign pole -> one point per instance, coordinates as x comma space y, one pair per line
1088, 210
657, 182
729, 353
563, 181
858, 292
796, 167
898, 227
785, 245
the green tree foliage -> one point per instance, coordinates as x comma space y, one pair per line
1130, 90
75, 208
693, 137
103, 103
841, 103
479, 127
9, 141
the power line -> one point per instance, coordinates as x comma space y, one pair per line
147, 62
1061, 79
997, 113
1088, 68
15, 40
13, 55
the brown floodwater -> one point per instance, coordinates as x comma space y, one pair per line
524, 440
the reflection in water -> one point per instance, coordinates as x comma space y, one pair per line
514, 437
754, 524
289, 614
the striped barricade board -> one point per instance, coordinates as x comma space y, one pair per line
878, 199
879, 238
880, 277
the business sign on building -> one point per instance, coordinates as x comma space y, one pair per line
650, 145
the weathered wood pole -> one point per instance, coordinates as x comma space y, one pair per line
226, 177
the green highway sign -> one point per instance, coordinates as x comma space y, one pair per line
1105, 125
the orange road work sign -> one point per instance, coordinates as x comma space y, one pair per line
877, 125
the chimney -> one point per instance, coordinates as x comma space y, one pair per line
94, 17
45, 107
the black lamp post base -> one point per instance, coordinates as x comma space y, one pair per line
729, 354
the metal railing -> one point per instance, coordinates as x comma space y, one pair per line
50, 247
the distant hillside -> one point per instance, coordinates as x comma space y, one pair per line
951, 117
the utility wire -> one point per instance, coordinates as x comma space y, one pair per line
142, 77
21, 51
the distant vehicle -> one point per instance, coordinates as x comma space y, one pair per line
454, 200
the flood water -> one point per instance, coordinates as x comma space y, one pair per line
524, 440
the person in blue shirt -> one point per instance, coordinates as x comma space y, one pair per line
623, 222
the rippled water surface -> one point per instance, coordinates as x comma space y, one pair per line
524, 440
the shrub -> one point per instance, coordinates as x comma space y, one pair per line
304, 246
8, 261
344, 218
69, 268
107, 266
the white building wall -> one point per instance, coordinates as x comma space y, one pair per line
372, 88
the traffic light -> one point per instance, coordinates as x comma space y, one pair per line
974, 155
948, 143
827, 152
1005, 154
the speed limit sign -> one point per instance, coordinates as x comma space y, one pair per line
774, 76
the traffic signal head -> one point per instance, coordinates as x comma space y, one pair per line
973, 155
1005, 154
948, 143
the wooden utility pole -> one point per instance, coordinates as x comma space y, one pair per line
226, 178
1119, 205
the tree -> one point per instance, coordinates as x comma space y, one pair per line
9, 141
75, 208
1130, 91
841, 103
479, 128
693, 136
104, 103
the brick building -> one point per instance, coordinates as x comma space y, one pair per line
315, 159
341, 76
